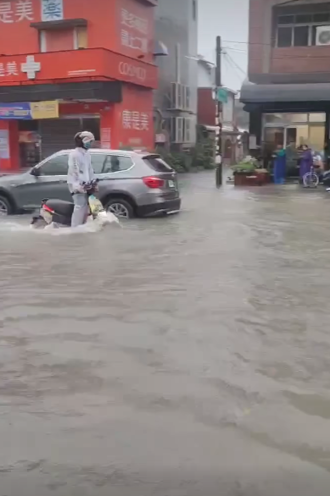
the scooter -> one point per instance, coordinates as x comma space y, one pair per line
326, 179
58, 213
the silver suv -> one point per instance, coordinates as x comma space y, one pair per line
130, 183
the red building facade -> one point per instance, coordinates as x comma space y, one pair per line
91, 63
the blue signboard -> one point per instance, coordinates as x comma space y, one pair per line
15, 111
29, 110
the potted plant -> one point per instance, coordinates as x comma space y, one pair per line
263, 176
247, 173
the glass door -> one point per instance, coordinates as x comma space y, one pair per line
273, 138
297, 134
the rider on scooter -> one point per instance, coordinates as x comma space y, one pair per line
80, 173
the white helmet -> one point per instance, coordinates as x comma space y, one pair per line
84, 139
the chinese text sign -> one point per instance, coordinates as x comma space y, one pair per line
16, 11
51, 10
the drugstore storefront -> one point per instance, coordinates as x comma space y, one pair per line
40, 116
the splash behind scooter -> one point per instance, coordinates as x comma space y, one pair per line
58, 213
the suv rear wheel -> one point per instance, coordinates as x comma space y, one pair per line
5, 206
120, 208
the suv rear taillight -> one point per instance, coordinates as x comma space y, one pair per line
153, 182
50, 210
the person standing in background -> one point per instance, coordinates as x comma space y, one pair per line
306, 161
279, 165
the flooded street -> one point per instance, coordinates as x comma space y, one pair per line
182, 356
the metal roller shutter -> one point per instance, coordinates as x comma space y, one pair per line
57, 134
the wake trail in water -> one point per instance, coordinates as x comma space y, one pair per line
92, 226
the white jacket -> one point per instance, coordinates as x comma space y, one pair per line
80, 170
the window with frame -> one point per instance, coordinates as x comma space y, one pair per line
157, 163
187, 130
55, 166
116, 163
98, 160
63, 39
80, 37
300, 29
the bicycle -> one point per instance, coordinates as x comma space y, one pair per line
311, 179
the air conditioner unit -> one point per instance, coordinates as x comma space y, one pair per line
186, 97
177, 129
187, 138
322, 35
187, 100
176, 96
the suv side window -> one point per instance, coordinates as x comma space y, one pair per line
98, 160
55, 166
117, 163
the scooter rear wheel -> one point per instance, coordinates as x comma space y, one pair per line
311, 180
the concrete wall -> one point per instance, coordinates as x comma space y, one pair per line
268, 64
175, 23
206, 76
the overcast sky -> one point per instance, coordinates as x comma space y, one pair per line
230, 21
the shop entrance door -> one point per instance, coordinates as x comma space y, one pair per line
287, 137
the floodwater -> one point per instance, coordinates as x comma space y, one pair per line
182, 356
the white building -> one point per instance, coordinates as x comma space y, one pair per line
176, 97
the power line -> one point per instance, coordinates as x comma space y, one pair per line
236, 65
247, 43
282, 58
232, 68
235, 49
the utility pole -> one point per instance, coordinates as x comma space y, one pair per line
218, 116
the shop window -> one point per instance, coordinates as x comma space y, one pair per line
301, 36
302, 135
300, 28
273, 118
301, 117
317, 117
296, 135
323, 17
81, 38
291, 135
56, 41
286, 19
274, 136
303, 18
63, 39
317, 137
285, 118
55, 166
284, 37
